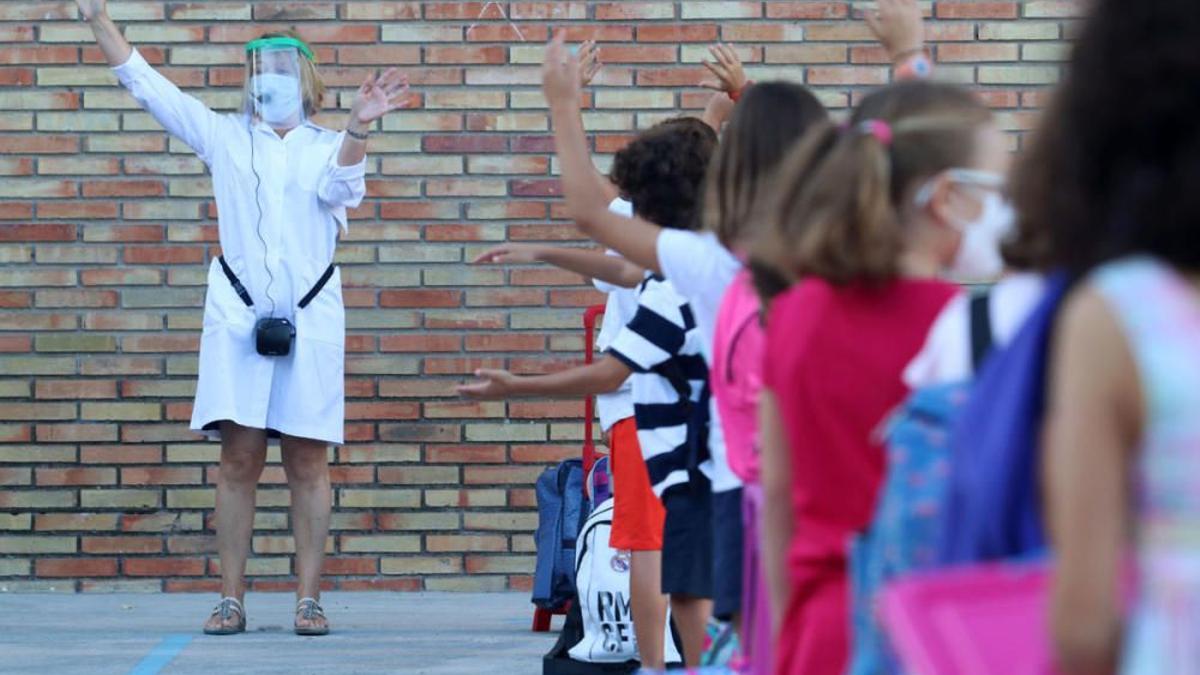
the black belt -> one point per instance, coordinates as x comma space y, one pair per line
245, 295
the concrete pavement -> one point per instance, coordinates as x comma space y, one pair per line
144, 634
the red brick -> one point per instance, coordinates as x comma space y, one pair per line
807, 10
15, 299
38, 232
160, 475
420, 343
973, 9
163, 567
124, 188
163, 255
465, 143
75, 567
420, 298
465, 454
121, 545
76, 476
490, 55
672, 33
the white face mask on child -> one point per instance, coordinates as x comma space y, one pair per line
978, 257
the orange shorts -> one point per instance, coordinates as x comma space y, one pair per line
638, 515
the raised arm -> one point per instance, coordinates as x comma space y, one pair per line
584, 189
183, 116
590, 263
601, 377
589, 66
900, 29
728, 81
108, 37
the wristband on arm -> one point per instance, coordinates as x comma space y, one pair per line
914, 64
736, 96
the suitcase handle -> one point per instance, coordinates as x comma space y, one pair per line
590, 318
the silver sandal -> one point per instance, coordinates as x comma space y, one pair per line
310, 609
226, 608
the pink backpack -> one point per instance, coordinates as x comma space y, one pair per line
736, 373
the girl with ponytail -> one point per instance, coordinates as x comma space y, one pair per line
868, 216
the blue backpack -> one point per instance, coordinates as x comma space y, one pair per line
562, 509
906, 530
993, 507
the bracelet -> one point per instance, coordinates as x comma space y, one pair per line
736, 96
916, 66
355, 135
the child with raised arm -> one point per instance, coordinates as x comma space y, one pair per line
661, 173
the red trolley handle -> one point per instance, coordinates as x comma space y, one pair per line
590, 318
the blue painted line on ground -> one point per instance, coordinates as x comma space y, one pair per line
161, 655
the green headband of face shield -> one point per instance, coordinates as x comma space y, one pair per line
263, 43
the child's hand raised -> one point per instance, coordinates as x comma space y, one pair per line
730, 76
898, 26
560, 73
589, 62
496, 384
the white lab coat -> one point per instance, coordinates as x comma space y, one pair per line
304, 195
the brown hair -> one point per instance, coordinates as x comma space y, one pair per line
312, 87
839, 194
768, 120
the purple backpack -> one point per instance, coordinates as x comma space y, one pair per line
993, 508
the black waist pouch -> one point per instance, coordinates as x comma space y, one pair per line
274, 336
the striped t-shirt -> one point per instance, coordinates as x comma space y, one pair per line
662, 346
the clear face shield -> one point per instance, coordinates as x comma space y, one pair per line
274, 83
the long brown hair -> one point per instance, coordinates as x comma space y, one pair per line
769, 119
838, 197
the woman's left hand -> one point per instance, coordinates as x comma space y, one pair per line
379, 96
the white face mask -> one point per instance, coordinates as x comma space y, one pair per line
278, 98
978, 257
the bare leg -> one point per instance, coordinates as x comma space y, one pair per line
306, 463
243, 454
691, 616
649, 606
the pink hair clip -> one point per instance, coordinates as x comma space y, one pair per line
882, 131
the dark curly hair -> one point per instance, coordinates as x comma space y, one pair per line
1114, 168
661, 172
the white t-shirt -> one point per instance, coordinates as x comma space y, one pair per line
946, 356
701, 270
622, 304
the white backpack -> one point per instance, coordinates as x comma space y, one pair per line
602, 583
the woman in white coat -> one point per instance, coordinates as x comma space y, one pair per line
272, 347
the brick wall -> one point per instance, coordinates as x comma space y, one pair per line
106, 226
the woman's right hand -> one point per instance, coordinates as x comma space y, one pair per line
92, 9
510, 254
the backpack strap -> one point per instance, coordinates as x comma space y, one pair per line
981, 330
